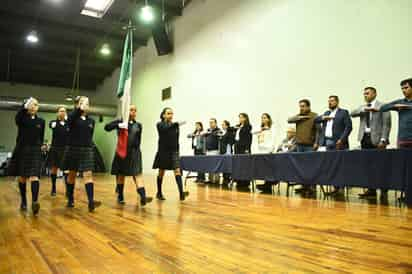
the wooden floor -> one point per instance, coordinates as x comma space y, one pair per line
214, 231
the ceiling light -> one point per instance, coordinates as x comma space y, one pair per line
146, 13
68, 97
105, 50
32, 37
96, 8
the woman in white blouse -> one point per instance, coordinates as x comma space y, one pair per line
266, 136
266, 144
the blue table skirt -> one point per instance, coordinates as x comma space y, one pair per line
390, 169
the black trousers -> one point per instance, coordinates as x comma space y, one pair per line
366, 143
242, 150
200, 176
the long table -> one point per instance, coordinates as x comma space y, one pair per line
388, 169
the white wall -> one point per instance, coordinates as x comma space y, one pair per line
264, 55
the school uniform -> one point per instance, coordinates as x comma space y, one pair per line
167, 156
132, 164
60, 134
79, 153
26, 159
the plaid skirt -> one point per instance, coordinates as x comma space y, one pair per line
26, 161
129, 166
55, 158
167, 160
78, 158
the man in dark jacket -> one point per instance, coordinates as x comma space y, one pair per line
212, 145
336, 126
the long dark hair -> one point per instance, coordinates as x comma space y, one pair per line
201, 127
163, 112
247, 122
269, 118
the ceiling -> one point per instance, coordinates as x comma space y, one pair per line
62, 30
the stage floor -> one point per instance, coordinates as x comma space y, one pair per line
214, 231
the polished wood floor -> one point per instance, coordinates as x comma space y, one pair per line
214, 231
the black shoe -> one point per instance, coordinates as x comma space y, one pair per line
53, 193
160, 196
94, 205
184, 195
35, 207
302, 189
368, 194
70, 204
226, 181
23, 207
266, 190
337, 192
143, 202
120, 200
242, 187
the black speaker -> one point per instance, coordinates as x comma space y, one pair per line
162, 39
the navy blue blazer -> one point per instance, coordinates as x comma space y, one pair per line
342, 127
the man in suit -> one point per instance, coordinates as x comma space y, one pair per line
374, 128
336, 125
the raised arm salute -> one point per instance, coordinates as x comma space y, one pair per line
26, 159
167, 156
132, 164
79, 155
404, 108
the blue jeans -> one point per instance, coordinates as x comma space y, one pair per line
304, 148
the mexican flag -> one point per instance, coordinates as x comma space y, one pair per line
124, 90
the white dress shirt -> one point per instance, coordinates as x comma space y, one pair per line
329, 124
237, 137
368, 129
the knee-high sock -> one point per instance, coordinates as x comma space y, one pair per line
120, 191
142, 192
22, 188
70, 192
90, 192
159, 184
179, 183
53, 180
65, 176
35, 190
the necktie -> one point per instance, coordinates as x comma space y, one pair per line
368, 117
